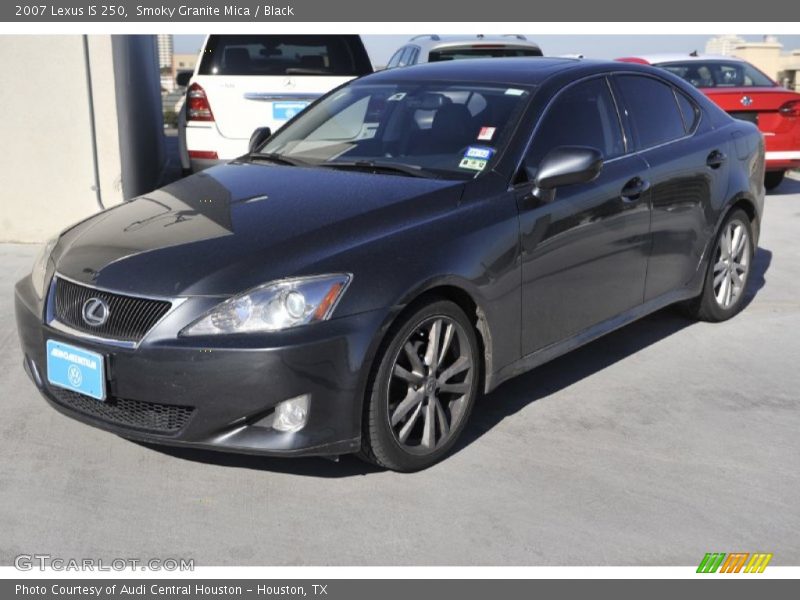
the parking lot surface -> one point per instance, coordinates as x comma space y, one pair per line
661, 442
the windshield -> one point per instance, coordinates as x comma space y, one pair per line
719, 74
446, 130
340, 55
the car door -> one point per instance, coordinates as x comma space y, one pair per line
688, 168
584, 254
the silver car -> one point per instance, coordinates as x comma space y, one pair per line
433, 48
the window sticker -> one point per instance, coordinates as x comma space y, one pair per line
396, 97
514, 92
486, 133
481, 152
474, 164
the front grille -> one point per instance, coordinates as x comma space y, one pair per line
129, 319
136, 414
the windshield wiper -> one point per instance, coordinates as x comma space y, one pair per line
278, 158
376, 166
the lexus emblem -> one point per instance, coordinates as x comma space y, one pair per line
95, 312
746, 100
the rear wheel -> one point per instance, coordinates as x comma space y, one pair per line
773, 179
423, 390
728, 272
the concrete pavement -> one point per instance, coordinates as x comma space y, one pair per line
663, 441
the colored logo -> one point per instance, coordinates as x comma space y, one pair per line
746, 100
735, 562
95, 312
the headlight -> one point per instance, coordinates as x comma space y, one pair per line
274, 306
39, 273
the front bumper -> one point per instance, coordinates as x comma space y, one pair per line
227, 385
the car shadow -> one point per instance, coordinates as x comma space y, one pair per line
787, 186
508, 399
564, 371
345, 466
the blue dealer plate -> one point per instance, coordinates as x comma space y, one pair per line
283, 111
76, 369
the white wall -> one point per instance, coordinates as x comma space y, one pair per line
47, 178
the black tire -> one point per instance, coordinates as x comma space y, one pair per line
773, 179
381, 443
707, 306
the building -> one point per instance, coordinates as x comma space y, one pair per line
723, 44
98, 142
183, 62
165, 50
165, 57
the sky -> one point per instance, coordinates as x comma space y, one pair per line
381, 47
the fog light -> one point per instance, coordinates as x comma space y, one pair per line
292, 414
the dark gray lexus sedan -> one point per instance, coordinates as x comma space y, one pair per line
412, 239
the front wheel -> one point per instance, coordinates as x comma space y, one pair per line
773, 179
728, 271
423, 390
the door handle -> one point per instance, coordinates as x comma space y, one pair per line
634, 189
716, 159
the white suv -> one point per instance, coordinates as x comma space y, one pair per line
243, 82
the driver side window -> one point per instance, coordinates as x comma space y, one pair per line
583, 115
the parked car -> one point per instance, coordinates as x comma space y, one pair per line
242, 82
433, 48
413, 239
745, 93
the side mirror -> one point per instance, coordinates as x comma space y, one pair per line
183, 78
260, 135
567, 165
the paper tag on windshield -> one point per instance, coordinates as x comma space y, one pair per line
486, 133
396, 97
474, 164
482, 152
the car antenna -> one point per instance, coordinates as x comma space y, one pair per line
693, 53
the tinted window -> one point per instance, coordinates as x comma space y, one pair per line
480, 52
342, 55
584, 115
719, 74
651, 110
689, 111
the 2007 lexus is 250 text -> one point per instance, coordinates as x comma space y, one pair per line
411, 240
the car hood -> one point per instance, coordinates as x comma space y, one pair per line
239, 225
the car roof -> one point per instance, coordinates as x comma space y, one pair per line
655, 59
429, 42
517, 70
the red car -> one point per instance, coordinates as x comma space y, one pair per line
745, 93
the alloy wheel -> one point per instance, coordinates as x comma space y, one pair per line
732, 264
431, 380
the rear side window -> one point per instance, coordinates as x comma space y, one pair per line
651, 110
478, 51
689, 111
583, 115
340, 55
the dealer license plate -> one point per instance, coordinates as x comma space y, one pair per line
76, 369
